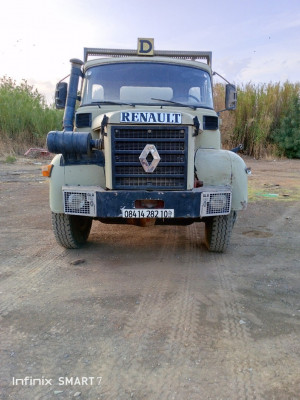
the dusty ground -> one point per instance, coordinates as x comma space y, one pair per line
149, 310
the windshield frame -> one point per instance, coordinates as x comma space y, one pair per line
164, 79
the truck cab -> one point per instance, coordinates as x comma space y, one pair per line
143, 147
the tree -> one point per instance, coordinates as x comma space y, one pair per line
287, 136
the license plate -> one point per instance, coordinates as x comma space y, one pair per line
147, 213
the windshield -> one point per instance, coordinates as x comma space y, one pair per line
147, 83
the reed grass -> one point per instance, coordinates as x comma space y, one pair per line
266, 120
24, 114
259, 115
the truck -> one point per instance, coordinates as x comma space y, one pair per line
141, 145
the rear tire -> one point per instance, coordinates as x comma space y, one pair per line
71, 231
218, 232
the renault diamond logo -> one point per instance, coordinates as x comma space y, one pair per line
149, 148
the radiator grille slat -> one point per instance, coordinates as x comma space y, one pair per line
172, 146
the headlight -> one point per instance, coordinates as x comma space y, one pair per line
76, 201
218, 201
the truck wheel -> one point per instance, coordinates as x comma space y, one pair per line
71, 231
218, 231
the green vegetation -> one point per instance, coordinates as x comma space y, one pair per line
24, 115
287, 136
10, 159
266, 121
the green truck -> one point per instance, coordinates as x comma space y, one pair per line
141, 145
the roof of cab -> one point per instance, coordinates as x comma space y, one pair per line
137, 59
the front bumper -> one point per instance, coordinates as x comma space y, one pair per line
99, 203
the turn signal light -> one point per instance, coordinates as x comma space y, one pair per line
46, 170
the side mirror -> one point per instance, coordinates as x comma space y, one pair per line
61, 95
230, 97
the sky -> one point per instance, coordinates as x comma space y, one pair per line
251, 40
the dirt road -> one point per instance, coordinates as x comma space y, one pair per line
148, 313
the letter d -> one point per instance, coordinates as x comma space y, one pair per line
145, 47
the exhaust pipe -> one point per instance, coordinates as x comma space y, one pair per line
68, 121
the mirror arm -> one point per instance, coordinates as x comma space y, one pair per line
64, 78
216, 73
225, 109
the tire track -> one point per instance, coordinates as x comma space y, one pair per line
182, 336
192, 341
154, 293
37, 271
246, 383
144, 333
17, 289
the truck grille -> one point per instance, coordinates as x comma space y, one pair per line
172, 146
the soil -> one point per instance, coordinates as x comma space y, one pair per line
149, 313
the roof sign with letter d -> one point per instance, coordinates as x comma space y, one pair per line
145, 47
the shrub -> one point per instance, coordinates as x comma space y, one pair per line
10, 159
287, 136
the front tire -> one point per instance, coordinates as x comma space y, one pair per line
218, 231
71, 231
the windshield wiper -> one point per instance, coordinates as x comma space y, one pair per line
119, 103
176, 103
